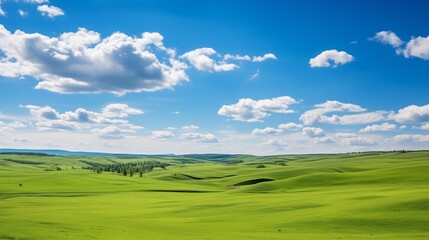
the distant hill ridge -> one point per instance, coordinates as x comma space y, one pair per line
72, 153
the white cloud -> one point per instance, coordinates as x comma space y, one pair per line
21, 140
276, 143
417, 47
162, 134
290, 126
22, 13
317, 114
411, 137
324, 140
384, 127
50, 11
345, 135
112, 132
248, 58
45, 112
49, 119
357, 141
388, 37
264, 57
190, 128
250, 110
266, 131
36, 1
331, 58
412, 113
425, 126
57, 124
118, 110
200, 137
353, 139
201, 59
11, 126
313, 132
2, 12
354, 119
236, 57
82, 62
255, 76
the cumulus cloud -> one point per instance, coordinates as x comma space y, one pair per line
36, 1
237, 57
388, 37
411, 137
331, 58
384, 127
412, 113
264, 57
202, 60
22, 13
113, 132
357, 141
266, 131
352, 139
82, 62
162, 134
416, 47
248, 58
190, 128
290, 126
425, 126
11, 126
324, 140
109, 123
317, 114
250, 110
276, 143
313, 132
45, 112
118, 110
200, 137
50, 11
354, 119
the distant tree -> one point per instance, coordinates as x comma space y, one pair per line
141, 173
124, 171
260, 166
131, 172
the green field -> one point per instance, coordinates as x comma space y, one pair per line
344, 196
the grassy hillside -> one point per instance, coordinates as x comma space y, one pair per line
344, 196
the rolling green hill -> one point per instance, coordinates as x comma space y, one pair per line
337, 196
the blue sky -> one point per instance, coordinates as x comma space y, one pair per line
257, 77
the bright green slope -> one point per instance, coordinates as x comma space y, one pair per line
348, 196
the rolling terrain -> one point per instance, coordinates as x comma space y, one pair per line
376, 195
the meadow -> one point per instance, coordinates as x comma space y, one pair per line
375, 195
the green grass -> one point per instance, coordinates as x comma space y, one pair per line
345, 196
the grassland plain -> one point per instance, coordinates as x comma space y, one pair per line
343, 196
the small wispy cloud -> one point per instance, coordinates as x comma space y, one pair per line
255, 76
50, 11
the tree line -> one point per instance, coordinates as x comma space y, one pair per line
126, 169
